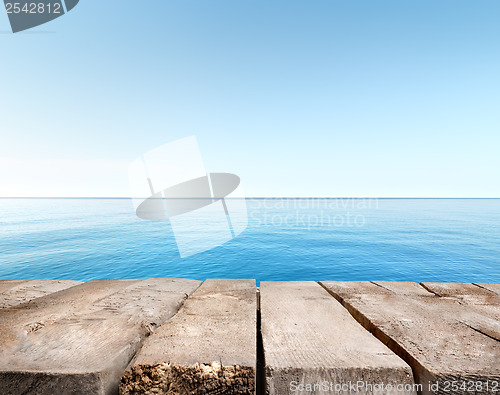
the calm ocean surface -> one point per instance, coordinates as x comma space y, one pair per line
286, 239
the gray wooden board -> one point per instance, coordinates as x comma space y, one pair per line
495, 287
80, 340
15, 292
481, 309
432, 333
310, 340
5, 285
208, 347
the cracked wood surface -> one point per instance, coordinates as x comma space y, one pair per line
80, 340
310, 338
14, 292
208, 347
438, 336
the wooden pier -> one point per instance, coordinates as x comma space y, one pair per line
180, 336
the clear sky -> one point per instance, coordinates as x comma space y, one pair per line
299, 98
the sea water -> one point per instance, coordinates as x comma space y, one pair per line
286, 239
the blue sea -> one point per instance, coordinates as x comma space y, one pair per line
286, 239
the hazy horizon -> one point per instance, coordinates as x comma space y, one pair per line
261, 197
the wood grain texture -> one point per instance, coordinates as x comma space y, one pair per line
208, 347
481, 306
310, 338
434, 334
80, 340
16, 292
490, 286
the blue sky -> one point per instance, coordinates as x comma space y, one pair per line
299, 98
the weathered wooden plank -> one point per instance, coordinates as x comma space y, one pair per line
431, 333
80, 340
483, 306
402, 287
15, 292
311, 343
491, 286
208, 347
464, 291
481, 299
5, 285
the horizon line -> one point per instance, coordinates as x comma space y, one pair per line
249, 197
